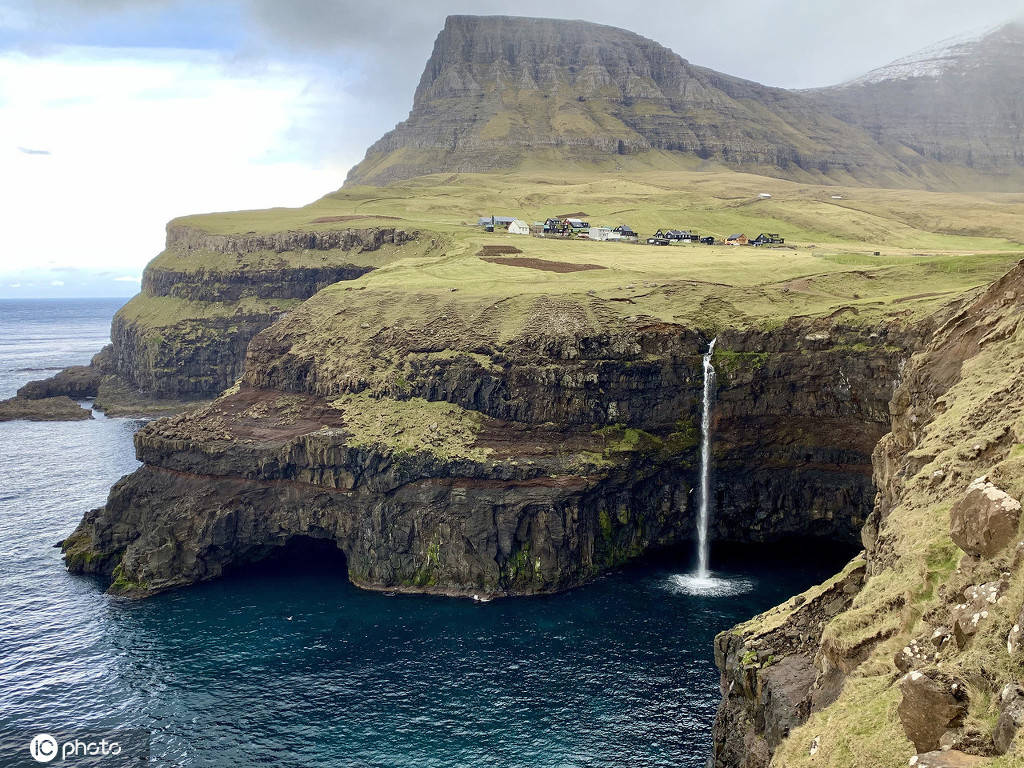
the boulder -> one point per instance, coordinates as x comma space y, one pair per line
1011, 717
978, 603
932, 704
985, 520
946, 759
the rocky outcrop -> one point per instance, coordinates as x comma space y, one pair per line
1011, 717
252, 471
61, 408
931, 635
933, 704
985, 520
79, 382
772, 676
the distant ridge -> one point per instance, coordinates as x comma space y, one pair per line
960, 102
507, 93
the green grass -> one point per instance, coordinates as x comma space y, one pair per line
165, 311
932, 247
415, 425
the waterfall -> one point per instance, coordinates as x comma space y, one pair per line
701, 583
705, 464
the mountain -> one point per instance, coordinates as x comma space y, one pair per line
500, 92
960, 102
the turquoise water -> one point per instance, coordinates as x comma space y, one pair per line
288, 664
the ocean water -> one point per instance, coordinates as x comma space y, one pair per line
287, 664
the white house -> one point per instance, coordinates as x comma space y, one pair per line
602, 233
519, 227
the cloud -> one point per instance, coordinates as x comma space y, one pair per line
57, 283
27, 151
128, 148
14, 285
127, 279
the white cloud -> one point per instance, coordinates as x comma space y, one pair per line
14, 285
127, 279
57, 283
138, 137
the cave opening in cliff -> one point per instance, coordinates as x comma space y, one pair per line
299, 554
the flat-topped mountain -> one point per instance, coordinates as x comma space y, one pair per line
960, 102
503, 93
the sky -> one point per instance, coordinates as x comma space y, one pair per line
119, 115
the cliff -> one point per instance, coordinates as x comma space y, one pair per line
183, 338
915, 648
475, 465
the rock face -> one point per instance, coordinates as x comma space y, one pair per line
207, 295
60, 408
498, 90
770, 678
985, 520
435, 463
1011, 718
957, 102
926, 653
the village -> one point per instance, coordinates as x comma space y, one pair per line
576, 228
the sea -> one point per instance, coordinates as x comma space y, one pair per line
288, 664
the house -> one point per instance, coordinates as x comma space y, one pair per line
497, 221
552, 225
709, 240
764, 195
738, 239
602, 233
656, 240
518, 227
624, 231
678, 235
575, 224
768, 238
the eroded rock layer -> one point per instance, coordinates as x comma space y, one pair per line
446, 457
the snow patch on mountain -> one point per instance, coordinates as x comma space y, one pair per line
933, 61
